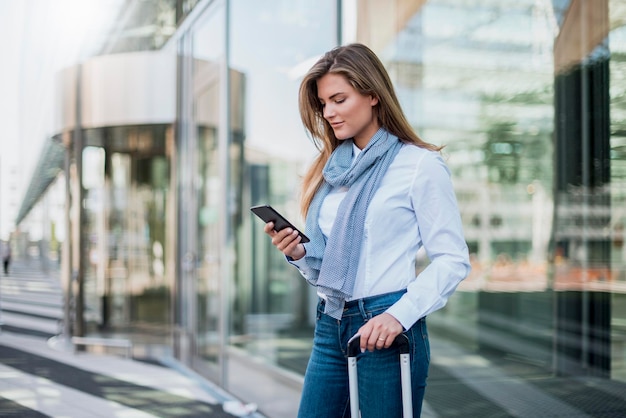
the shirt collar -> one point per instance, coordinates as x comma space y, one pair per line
355, 151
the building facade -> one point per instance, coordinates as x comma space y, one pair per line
163, 147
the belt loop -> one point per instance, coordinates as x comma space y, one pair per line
364, 314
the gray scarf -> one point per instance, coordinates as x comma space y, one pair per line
335, 262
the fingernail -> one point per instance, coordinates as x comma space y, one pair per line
362, 350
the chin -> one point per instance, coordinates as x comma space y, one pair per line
342, 137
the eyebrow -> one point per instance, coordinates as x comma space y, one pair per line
333, 96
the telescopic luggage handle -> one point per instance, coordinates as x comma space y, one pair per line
354, 348
401, 341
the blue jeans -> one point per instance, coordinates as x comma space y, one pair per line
326, 392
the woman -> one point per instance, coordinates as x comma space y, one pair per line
372, 198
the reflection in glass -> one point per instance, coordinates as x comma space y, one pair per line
273, 44
125, 177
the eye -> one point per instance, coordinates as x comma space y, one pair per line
339, 101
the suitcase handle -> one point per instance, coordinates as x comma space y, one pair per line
354, 348
401, 341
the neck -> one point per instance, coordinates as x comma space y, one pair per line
364, 137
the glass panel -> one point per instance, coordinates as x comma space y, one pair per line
617, 111
208, 56
146, 25
471, 78
126, 184
95, 239
273, 44
528, 100
118, 302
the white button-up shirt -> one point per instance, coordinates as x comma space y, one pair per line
414, 207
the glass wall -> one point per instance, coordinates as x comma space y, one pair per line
273, 43
528, 99
478, 78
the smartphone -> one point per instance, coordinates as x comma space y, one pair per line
269, 214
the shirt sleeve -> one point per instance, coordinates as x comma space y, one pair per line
441, 232
301, 265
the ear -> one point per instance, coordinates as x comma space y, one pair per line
373, 101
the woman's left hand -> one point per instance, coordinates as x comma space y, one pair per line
379, 332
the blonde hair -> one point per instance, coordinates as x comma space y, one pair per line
368, 76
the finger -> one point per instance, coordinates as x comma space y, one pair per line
376, 335
365, 336
288, 243
291, 247
380, 332
381, 342
373, 342
282, 238
269, 229
279, 237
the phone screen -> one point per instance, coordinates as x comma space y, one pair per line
269, 214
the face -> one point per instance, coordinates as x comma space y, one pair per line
350, 114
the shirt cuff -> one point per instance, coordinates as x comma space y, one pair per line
299, 264
404, 311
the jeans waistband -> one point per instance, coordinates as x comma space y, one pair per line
371, 302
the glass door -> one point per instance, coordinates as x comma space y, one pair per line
208, 84
201, 185
135, 288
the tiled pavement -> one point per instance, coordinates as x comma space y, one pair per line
37, 380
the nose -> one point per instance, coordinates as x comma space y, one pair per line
329, 112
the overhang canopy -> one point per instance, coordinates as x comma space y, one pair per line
49, 165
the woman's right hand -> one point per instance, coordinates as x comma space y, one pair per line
287, 241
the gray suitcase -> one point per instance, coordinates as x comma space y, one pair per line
402, 342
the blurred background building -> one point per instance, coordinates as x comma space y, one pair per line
137, 154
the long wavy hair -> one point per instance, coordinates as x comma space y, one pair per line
368, 76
